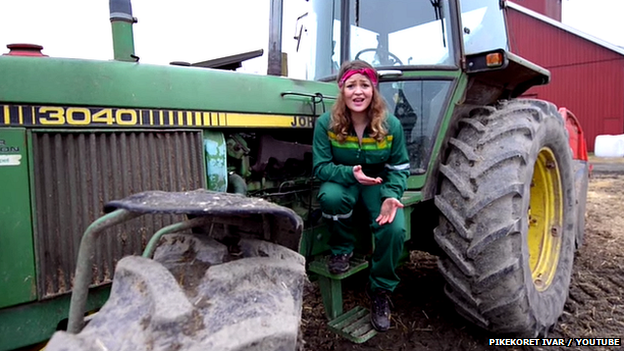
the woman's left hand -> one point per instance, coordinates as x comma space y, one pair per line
388, 210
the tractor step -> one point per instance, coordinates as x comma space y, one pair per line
331, 284
356, 264
354, 325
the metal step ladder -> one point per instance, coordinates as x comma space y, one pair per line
353, 325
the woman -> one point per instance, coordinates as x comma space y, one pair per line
360, 155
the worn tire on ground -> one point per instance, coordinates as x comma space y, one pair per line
496, 276
199, 294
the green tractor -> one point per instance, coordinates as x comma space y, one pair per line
207, 174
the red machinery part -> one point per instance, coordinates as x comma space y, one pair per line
578, 144
20, 49
577, 138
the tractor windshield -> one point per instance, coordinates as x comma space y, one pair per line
383, 33
483, 26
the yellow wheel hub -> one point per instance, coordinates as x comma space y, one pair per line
545, 219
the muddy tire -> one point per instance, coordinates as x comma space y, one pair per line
199, 294
508, 223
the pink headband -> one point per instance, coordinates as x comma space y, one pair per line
369, 73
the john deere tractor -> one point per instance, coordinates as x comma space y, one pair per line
189, 187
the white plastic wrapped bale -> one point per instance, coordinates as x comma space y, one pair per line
609, 145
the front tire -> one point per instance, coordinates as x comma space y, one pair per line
199, 294
508, 223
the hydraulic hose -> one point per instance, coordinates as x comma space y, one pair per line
236, 184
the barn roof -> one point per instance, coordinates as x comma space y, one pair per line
538, 16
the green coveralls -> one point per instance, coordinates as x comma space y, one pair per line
333, 165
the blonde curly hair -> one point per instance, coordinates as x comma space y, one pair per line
341, 115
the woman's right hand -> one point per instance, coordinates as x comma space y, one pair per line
363, 178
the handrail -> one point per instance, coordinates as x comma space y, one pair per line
316, 98
84, 265
173, 228
315, 95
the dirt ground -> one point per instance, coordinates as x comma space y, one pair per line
423, 319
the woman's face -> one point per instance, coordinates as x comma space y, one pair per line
357, 92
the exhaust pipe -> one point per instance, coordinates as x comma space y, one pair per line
123, 38
275, 63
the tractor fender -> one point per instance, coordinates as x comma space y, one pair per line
582, 167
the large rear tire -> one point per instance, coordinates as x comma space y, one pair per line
508, 222
199, 294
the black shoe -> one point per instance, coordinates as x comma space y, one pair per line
380, 309
339, 264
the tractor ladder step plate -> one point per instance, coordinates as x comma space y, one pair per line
354, 325
357, 263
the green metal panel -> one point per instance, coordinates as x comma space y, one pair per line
417, 181
17, 264
314, 240
36, 322
52, 81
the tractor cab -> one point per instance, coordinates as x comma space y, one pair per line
419, 48
387, 35
403, 35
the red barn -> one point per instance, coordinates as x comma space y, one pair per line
587, 74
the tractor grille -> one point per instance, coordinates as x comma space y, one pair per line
75, 174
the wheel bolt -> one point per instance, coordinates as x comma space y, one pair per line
554, 231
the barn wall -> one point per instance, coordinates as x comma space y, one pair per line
587, 78
550, 8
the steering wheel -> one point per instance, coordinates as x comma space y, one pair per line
393, 59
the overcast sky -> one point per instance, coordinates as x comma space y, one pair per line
192, 30
600, 18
